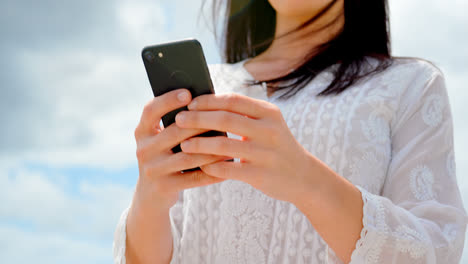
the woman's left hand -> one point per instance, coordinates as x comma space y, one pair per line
271, 160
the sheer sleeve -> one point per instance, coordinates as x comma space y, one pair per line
120, 235
176, 218
419, 218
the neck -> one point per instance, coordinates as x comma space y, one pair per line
294, 46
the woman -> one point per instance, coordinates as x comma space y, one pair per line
344, 154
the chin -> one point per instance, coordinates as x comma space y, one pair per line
298, 8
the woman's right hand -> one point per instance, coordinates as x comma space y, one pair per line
148, 228
161, 179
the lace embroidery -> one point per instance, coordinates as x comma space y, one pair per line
450, 231
452, 234
246, 215
432, 110
421, 181
374, 218
376, 128
451, 166
410, 241
369, 164
352, 100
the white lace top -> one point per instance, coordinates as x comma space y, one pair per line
390, 135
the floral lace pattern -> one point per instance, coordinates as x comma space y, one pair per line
432, 110
422, 180
412, 242
390, 135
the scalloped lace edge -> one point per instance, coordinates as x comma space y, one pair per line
368, 247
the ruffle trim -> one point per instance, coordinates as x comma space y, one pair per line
374, 231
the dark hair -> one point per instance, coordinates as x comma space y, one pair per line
250, 30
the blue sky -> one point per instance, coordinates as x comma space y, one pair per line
73, 87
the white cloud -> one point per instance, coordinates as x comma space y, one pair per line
94, 108
142, 20
22, 247
87, 102
48, 204
435, 30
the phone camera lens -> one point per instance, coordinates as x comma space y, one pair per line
149, 56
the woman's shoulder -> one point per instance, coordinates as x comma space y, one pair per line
410, 69
406, 75
419, 65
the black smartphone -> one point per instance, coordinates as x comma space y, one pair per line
174, 65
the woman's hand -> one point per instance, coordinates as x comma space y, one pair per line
272, 161
160, 169
148, 227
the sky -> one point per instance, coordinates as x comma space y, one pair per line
72, 90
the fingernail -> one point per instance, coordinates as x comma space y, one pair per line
192, 105
180, 117
185, 144
183, 96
